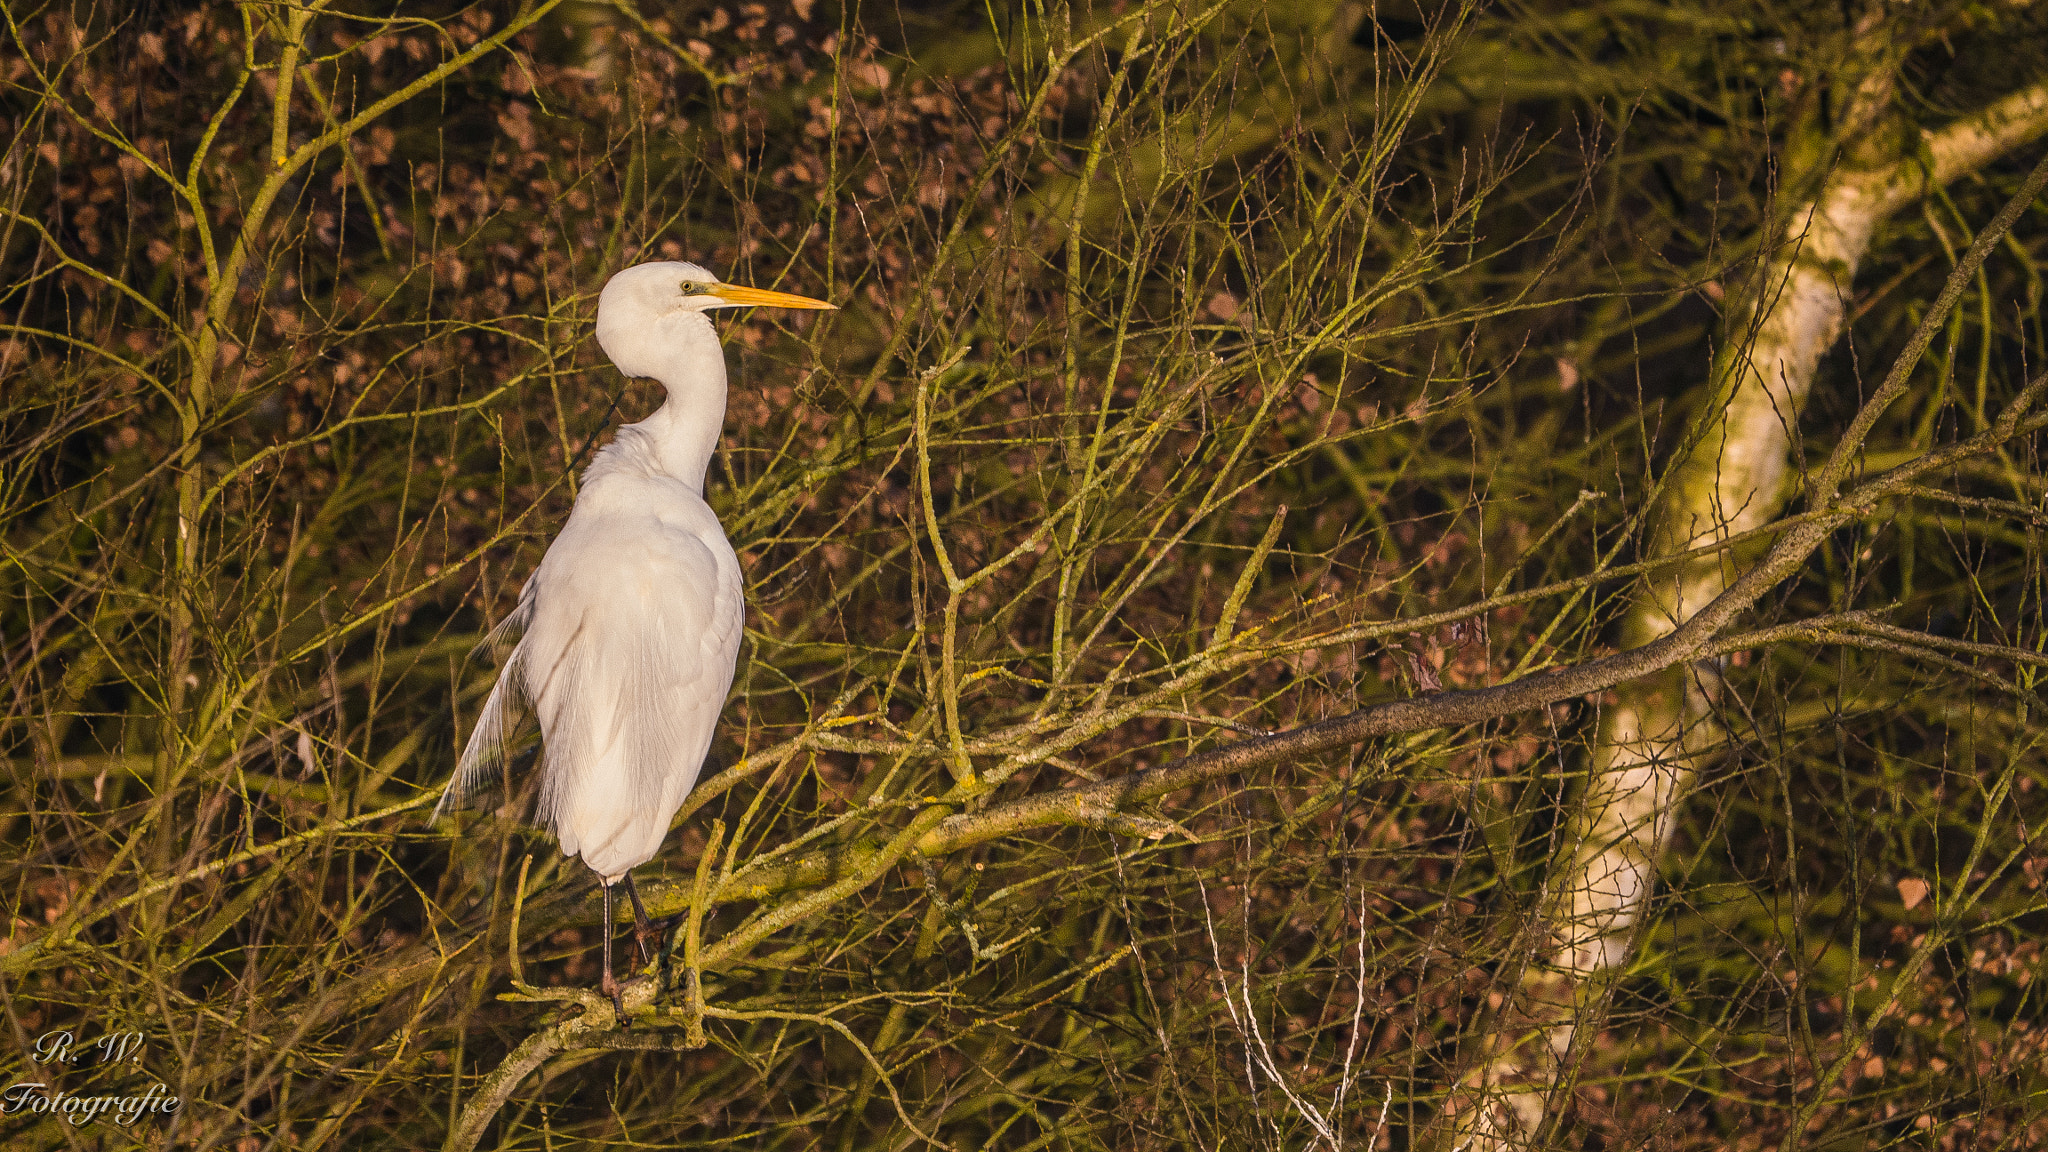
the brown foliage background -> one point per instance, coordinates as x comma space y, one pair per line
1207, 340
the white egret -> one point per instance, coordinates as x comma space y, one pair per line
626, 634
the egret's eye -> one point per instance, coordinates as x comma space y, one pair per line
695, 288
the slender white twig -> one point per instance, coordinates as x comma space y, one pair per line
1259, 1053
1250, 1066
1357, 1015
1386, 1102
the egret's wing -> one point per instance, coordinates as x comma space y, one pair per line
628, 659
490, 743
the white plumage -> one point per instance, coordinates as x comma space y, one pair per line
625, 636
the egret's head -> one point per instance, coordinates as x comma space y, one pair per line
637, 311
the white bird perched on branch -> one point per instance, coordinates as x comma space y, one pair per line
627, 633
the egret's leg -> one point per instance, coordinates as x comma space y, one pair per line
642, 930
609, 984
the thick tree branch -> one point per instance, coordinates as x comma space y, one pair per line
1970, 143
1096, 805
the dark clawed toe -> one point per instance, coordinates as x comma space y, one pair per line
650, 949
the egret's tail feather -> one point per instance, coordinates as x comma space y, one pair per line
504, 636
490, 743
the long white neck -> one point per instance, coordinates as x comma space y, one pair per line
682, 434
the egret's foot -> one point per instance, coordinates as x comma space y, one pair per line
664, 956
611, 987
643, 929
640, 939
654, 942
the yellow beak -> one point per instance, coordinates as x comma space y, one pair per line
763, 297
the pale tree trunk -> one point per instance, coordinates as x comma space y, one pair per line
1737, 479
591, 26
1737, 476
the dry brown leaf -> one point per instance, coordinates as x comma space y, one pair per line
1912, 890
